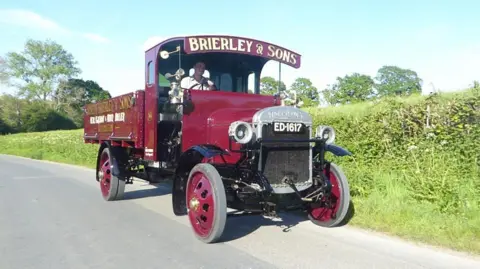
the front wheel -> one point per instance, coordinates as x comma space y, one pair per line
334, 207
206, 203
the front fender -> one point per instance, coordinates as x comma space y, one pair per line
207, 151
337, 150
187, 161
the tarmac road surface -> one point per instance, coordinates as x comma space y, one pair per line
53, 216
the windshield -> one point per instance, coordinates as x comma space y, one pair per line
229, 72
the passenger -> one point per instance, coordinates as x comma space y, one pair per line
200, 82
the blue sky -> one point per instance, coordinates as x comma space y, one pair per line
438, 39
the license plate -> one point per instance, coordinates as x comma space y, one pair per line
287, 127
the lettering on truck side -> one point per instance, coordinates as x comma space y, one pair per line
116, 117
107, 106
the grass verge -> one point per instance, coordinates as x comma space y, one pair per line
388, 207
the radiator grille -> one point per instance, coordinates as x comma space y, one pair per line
282, 158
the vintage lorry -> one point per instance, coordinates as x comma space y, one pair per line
227, 147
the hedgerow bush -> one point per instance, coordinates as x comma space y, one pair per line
433, 142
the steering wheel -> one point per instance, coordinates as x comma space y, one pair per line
212, 88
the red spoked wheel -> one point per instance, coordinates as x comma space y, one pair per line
206, 203
112, 187
333, 208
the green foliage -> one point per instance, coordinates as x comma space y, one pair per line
269, 85
37, 69
37, 117
71, 95
428, 149
59, 146
393, 80
78, 92
48, 96
306, 92
5, 128
432, 142
350, 89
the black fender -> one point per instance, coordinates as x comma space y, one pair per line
186, 162
119, 158
337, 150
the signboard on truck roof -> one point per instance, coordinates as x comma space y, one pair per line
208, 43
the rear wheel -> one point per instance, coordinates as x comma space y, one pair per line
111, 187
206, 203
333, 209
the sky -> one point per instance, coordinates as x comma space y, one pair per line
440, 40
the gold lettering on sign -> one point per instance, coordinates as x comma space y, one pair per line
242, 45
105, 128
107, 106
282, 54
203, 44
90, 109
125, 102
224, 43
216, 43
220, 43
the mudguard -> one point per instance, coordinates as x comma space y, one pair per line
187, 161
337, 150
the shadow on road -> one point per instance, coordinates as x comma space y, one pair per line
159, 189
242, 225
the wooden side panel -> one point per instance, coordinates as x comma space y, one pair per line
119, 119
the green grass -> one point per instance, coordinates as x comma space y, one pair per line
384, 198
57, 146
391, 209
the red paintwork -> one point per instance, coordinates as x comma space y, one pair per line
128, 133
151, 107
213, 112
324, 214
200, 183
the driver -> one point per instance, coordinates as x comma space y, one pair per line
198, 81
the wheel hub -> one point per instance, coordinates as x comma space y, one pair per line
194, 203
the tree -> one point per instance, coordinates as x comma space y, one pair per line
11, 109
38, 117
39, 68
71, 95
305, 91
393, 80
3, 73
78, 92
350, 89
268, 85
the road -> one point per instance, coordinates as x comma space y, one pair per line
52, 216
